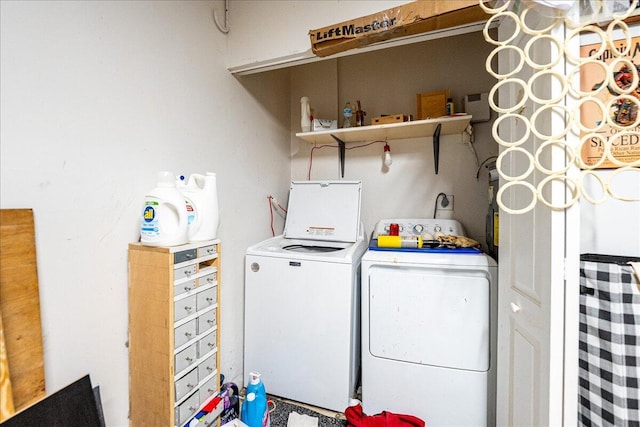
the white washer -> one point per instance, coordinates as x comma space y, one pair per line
302, 298
429, 329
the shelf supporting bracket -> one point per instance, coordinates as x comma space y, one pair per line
341, 151
436, 147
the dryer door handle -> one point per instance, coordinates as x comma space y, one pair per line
515, 307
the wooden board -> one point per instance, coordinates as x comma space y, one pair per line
151, 336
20, 306
6, 393
432, 104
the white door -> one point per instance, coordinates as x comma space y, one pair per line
537, 366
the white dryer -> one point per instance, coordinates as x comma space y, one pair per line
429, 329
302, 298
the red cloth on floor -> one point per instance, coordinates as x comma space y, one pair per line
356, 418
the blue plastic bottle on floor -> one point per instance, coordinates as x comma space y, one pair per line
255, 412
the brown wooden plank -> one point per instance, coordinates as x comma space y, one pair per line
20, 306
7, 408
150, 336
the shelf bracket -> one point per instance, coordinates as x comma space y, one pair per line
436, 147
341, 151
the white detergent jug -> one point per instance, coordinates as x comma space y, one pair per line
164, 219
181, 185
201, 192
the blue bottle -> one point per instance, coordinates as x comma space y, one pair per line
255, 412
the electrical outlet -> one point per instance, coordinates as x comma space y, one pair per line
446, 204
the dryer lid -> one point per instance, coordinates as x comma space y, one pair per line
324, 210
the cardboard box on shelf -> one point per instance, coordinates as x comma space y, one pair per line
404, 20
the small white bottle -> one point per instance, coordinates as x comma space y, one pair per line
305, 114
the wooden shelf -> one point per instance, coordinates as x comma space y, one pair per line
415, 129
449, 125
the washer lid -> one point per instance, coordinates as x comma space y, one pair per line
324, 210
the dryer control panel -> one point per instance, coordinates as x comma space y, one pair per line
424, 227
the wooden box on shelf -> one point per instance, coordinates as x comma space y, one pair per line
394, 118
432, 104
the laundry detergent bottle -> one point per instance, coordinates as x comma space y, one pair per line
255, 411
164, 219
201, 192
181, 185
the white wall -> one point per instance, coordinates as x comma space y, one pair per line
96, 98
386, 82
613, 226
274, 31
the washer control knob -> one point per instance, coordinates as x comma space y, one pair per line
418, 229
437, 229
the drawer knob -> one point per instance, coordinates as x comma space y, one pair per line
189, 359
211, 322
211, 345
209, 300
188, 309
190, 386
188, 334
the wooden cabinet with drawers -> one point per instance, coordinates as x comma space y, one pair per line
173, 332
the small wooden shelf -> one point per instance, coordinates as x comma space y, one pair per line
414, 129
449, 125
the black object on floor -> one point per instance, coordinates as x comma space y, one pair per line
280, 416
74, 405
